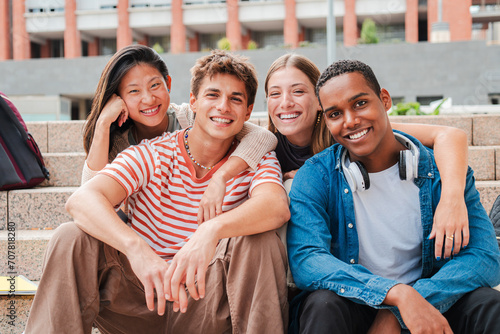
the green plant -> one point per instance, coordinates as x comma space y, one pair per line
158, 48
406, 108
413, 108
224, 44
252, 45
368, 32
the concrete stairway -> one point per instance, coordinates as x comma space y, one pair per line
35, 213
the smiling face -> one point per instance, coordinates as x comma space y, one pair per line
145, 92
292, 104
221, 107
357, 119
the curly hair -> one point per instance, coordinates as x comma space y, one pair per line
223, 62
348, 66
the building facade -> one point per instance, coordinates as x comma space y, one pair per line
79, 28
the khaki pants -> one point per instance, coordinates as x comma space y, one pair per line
87, 282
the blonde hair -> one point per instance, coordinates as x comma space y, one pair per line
321, 137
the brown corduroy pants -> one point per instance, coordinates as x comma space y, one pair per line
86, 282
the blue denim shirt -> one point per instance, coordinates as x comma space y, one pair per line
323, 243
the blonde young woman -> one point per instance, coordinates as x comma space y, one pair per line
132, 103
297, 121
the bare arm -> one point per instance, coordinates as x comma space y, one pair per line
101, 194
97, 157
213, 197
255, 143
451, 154
267, 209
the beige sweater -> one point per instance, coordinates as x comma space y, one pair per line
255, 141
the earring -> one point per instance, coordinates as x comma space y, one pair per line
318, 119
168, 90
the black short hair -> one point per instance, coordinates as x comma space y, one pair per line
348, 66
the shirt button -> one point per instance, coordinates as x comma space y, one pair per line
429, 175
346, 190
342, 290
350, 225
353, 261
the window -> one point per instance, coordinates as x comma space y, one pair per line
57, 48
394, 33
160, 43
85, 49
36, 50
209, 41
318, 35
107, 46
426, 100
397, 99
268, 39
494, 98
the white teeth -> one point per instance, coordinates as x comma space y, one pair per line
221, 120
358, 135
289, 116
150, 111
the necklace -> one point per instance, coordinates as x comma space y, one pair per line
191, 156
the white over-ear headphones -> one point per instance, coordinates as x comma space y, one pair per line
357, 175
408, 159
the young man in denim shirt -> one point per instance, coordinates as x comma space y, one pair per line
362, 212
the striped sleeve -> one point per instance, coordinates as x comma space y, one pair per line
268, 170
133, 167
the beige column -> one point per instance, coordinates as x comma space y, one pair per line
72, 41
178, 29
350, 23
411, 21
457, 14
291, 25
123, 33
233, 25
20, 37
4, 30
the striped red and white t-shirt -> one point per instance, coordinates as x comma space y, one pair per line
164, 193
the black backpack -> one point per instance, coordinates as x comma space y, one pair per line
495, 218
21, 163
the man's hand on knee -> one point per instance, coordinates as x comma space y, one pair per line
188, 268
150, 269
418, 314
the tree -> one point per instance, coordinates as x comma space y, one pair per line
368, 32
224, 44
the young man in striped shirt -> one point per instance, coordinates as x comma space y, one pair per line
227, 274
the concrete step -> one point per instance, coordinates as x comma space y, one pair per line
19, 311
481, 129
65, 169
27, 253
58, 136
488, 191
37, 208
22, 305
485, 161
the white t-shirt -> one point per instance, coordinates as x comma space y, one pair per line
388, 222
